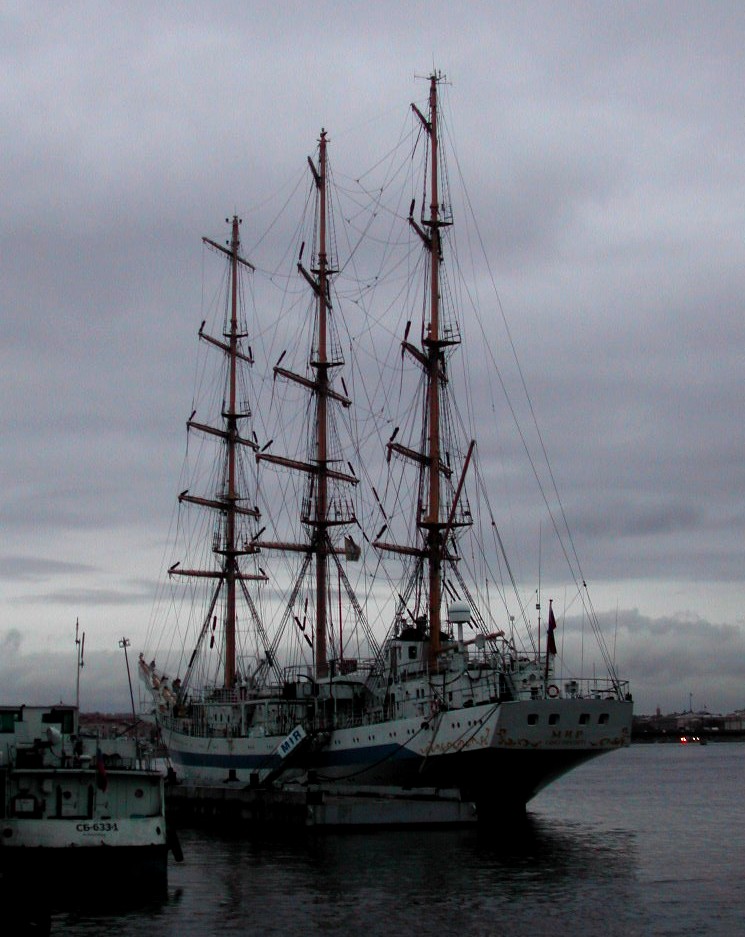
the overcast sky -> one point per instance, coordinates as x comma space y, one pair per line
602, 145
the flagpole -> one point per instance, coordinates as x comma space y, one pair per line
125, 643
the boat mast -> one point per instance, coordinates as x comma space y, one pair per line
231, 423
433, 350
322, 385
431, 359
434, 558
318, 470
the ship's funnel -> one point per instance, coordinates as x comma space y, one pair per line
459, 613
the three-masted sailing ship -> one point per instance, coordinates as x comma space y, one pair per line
446, 700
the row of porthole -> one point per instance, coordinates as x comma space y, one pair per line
394, 735
553, 719
372, 738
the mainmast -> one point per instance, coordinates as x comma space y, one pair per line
231, 422
227, 544
320, 474
321, 364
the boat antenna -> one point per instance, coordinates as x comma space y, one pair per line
79, 650
538, 590
124, 643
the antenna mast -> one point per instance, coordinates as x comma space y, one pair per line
80, 649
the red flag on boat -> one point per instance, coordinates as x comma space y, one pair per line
102, 782
551, 641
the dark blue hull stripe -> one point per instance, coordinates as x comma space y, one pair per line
357, 756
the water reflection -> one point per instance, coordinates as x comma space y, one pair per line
609, 853
414, 882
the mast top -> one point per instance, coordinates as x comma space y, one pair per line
435, 76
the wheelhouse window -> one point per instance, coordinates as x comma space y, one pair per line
8, 720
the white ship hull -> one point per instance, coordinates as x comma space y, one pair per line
507, 751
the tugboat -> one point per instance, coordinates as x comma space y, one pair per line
82, 817
76, 812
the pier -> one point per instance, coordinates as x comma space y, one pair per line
314, 806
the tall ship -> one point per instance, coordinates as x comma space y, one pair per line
299, 657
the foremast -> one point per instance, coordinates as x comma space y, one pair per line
227, 546
318, 516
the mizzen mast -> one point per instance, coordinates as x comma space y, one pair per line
438, 333
433, 348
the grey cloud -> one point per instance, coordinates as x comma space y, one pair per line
603, 157
10, 642
36, 569
670, 657
80, 598
49, 677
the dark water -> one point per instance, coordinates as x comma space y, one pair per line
650, 840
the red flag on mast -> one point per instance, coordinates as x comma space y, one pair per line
550, 640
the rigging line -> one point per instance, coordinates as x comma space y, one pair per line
575, 575
374, 646
291, 603
437, 719
524, 386
386, 156
202, 635
506, 561
300, 179
260, 628
470, 732
377, 203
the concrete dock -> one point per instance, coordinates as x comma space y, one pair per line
314, 806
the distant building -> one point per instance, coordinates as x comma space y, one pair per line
735, 722
674, 725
